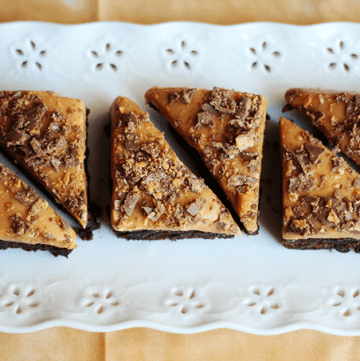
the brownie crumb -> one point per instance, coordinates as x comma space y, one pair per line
337, 163
314, 152
19, 225
185, 96
292, 94
173, 97
315, 115
356, 182
286, 108
27, 196
341, 97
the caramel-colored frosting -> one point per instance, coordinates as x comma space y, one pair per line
334, 113
153, 189
46, 134
227, 129
321, 192
27, 218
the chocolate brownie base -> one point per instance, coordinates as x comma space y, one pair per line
341, 245
94, 211
149, 235
56, 251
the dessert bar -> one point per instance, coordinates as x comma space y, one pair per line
321, 194
46, 134
227, 129
155, 196
27, 221
334, 113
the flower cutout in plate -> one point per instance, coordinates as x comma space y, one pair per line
106, 56
263, 57
181, 54
185, 300
341, 57
346, 300
263, 299
30, 55
99, 299
18, 299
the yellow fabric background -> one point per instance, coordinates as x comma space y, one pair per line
63, 344
144, 344
299, 12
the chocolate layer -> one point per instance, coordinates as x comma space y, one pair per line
56, 251
343, 245
148, 235
94, 211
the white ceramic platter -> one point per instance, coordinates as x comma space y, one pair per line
251, 284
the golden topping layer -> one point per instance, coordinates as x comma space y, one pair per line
27, 218
46, 134
321, 192
227, 129
153, 190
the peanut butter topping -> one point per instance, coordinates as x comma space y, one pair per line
321, 192
46, 134
27, 218
336, 114
226, 128
153, 190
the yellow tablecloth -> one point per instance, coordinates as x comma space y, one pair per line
145, 344
299, 12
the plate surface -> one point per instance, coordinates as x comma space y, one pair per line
251, 284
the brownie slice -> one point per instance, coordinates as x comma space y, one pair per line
27, 221
46, 135
321, 194
155, 195
227, 129
336, 114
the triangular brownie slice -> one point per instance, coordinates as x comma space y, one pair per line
336, 114
27, 221
155, 196
321, 194
46, 134
227, 129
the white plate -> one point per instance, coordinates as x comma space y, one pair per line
251, 284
